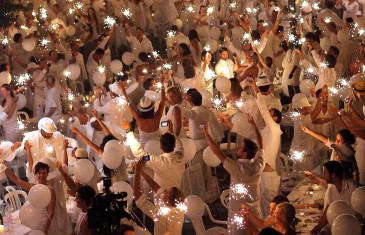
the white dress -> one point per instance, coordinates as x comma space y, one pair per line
170, 116
81, 217
10, 130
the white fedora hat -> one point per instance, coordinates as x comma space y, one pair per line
145, 104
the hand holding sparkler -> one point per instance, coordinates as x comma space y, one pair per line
16, 145
305, 129
27, 145
299, 54
65, 144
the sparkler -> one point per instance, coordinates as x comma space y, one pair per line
70, 97
316, 6
127, 13
20, 125
109, 22
155, 54
49, 148
217, 102
66, 73
79, 5
361, 32
170, 33
167, 66
158, 85
44, 42
71, 11
207, 48
210, 10
101, 69
327, 20
23, 79
240, 191
190, 9
333, 90
297, 156
5, 41
239, 104
43, 13
233, 5
239, 221
209, 74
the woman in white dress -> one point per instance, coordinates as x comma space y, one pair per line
41, 170
176, 111
11, 133
195, 46
84, 196
202, 23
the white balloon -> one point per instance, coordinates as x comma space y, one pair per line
28, 45
306, 86
346, 224
37, 192
210, 158
30, 216
207, 97
189, 149
113, 154
74, 70
22, 101
122, 186
212, 44
84, 170
183, 39
148, 2
116, 66
338, 208
99, 78
178, 22
153, 147
215, 33
128, 58
343, 36
36, 232
195, 207
358, 200
5, 78
70, 30
237, 31
223, 84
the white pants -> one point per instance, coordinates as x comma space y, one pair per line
269, 187
38, 107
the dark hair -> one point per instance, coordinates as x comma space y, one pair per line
196, 98
122, 77
174, 28
268, 61
139, 28
204, 53
334, 167
311, 36
86, 193
264, 88
148, 83
186, 62
148, 114
106, 139
186, 49
329, 5
277, 114
318, 92
280, 29
193, 34
17, 37
335, 50
99, 51
284, 45
176, 197
236, 88
255, 35
330, 60
41, 166
191, 90
51, 51
268, 231
3, 67
143, 56
223, 49
349, 20
125, 228
279, 199
167, 142
347, 136
201, 6
189, 71
250, 148
176, 90
9, 88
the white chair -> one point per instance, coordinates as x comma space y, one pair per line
225, 198
12, 198
284, 167
198, 224
10, 188
20, 114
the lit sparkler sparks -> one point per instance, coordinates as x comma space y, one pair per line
20, 125
127, 13
49, 149
316, 6
233, 5
66, 73
70, 97
190, 8
170, 33
327, 20
155, 54
297, 156
44, 42
239, 221
5, 41
210, 10
333, 90
79, 5
241, 191
167, 66
209, 74
207, 48
159, 85
109, 22
22, 79
239, 104
101, 69
43, 13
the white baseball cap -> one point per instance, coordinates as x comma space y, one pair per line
47, 125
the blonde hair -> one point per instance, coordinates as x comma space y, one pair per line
288, 212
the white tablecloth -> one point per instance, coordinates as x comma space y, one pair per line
16, 228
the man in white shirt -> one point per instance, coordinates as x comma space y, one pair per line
139, 43
339, 188
245, 172
52, 105
225, 66
169, 167
76, 57
93, 63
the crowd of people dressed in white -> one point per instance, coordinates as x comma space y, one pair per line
152, 92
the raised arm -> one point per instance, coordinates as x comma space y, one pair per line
139, 168
86, 140
130, 106
213, 146
163, 99
65, 157
319, 137
101, 123
21, 183
258, 134
69, 181
277, 22
27, 147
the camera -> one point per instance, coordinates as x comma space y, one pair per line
164, 123
202, 126
107, 211
146, 158
347, 100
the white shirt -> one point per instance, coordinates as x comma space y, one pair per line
332, 194
302, 141
113, 111
53, 100
168, 168
350, 10
225, 68
271, 134
139, 46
